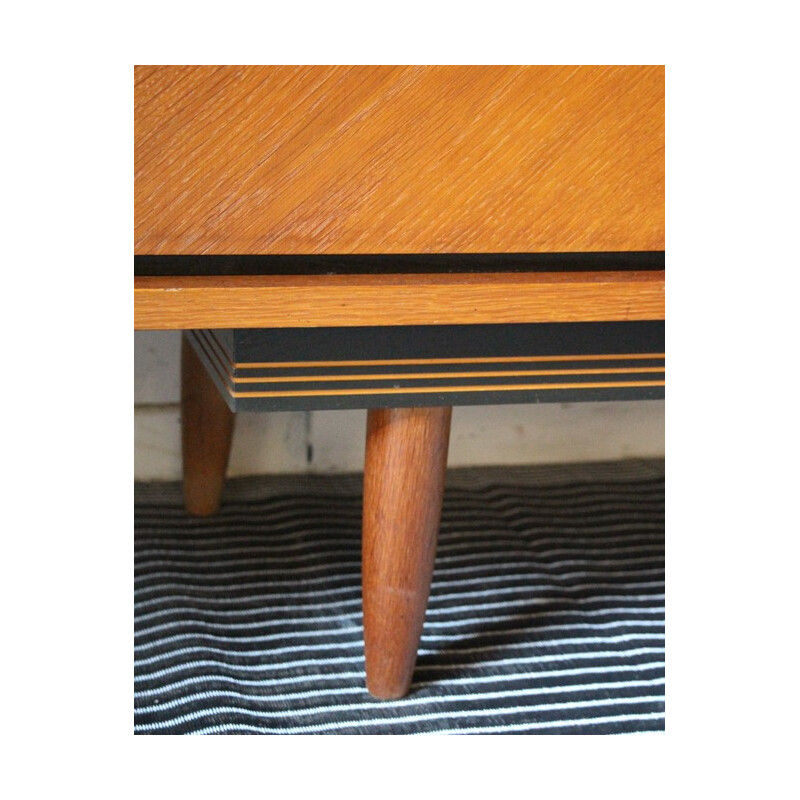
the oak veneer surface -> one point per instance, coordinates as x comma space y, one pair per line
398, 159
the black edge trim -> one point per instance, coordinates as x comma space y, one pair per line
210, 265
450, 399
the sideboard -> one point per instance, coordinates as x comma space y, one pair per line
402, 239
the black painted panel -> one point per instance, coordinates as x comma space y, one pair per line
447, 341
222, 351
430, 367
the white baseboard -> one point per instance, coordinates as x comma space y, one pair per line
333, 441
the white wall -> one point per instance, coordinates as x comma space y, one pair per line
282, 441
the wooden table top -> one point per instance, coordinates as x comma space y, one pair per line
398, 159
286, 196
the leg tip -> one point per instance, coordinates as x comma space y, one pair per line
385, 691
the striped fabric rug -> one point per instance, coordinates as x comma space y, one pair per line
546, 613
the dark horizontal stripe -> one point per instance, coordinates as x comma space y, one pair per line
637, 538
320, 385
496, 499
175, 265
608, 727
541, 540
222, 622
456, 701
192, 552
427, 671
462, 509
595, 588
647, 672
313, 403
167, 497
487, 536
490, 535
249, 653
183, 614
478, 538
571, 340
624, 495
502, 683
534, 710
242, 376
449, 551
152, 646
627, 581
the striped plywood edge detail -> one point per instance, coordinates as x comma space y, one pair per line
398, 159
559, 365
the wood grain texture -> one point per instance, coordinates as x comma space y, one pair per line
398, 159
404, 472
207, 431
359, 300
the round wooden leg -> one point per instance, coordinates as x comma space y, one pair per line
207, 430
404, 473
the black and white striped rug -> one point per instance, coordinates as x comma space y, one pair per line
546, 612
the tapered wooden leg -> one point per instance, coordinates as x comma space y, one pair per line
404, 474
207, 430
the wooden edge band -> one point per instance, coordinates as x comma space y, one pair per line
172, 303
